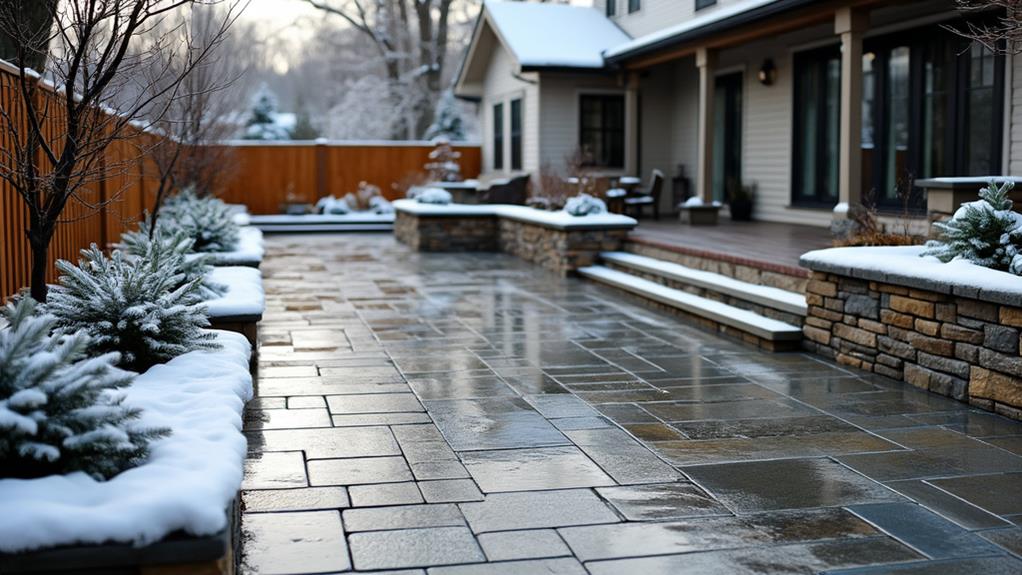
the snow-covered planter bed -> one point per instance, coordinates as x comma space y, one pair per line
249, 251
952, 328
352, 221
176, 508
241, 307
559, 241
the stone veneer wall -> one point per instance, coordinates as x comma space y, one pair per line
956, 346
447, 233
555, 249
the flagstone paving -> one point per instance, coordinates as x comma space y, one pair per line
471, 414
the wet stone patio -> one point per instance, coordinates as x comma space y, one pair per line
470, 413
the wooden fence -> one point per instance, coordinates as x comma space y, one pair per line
261, 176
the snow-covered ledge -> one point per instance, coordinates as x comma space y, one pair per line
951, 328
557, 241
241, 308
249, 252
188, 484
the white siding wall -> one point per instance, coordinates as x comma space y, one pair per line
559, 114
501, 86
1013, 107
654, 15
658, 94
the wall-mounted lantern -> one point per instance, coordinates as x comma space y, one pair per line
767, 72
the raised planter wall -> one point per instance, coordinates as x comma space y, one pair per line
968, 348
553, 241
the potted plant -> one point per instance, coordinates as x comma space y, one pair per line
740, 200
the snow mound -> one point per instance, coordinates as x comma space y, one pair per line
584, 205
436, 196
187, 483
244, 297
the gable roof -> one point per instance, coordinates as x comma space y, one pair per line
541, 35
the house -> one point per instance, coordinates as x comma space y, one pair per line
818, 103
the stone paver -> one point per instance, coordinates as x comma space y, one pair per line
435, 412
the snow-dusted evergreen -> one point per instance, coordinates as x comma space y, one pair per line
443, 163
264, 120
140, 307
207, 220
141, 244
985, 232
447, 123
584, 205
61, 411
380, 205
438, 196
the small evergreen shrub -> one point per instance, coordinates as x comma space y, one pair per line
436, 196
60, 411
584, 205
140, 307
985, 232
206, 220
141, 244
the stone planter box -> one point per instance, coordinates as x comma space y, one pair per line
240, 309
176, 554
554, 240
699, 215
953, 329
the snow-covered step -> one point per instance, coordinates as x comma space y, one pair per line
771, 297
728, 315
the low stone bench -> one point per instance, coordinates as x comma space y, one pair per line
556, 241
953, 329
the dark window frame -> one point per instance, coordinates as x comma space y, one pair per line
634, 6
700, 4
606, 135
611, 8
498, 136
815, 57
516, 134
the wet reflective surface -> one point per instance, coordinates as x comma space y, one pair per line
469, 413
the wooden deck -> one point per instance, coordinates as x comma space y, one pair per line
771, 245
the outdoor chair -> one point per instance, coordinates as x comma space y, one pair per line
515, 191
651, 197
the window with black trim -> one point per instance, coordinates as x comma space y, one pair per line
516, 134
602, 129
498, 136
611, 8
700, 4
634, 5
817, 124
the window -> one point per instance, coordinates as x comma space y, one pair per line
516, 134
611, 8
700, 4
602, 130
498, 136
817, 125
634, 5
934, 109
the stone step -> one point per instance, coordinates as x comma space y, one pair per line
745, 321
674, 275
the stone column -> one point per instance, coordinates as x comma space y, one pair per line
632, 124
850, 24
706, 61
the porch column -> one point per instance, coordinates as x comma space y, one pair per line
850, 24
632, 124
706, 61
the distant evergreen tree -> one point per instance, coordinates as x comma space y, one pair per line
447, 122
262, 122
985, 232
60, 411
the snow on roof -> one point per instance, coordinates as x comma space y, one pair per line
554, 35
711, 16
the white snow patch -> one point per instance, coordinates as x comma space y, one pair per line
540, 34
187, 483
904, 263
352, 217
249, 251
559, 219
244, 295
697, 202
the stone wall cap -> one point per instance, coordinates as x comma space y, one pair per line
902, 265
966, 182
558, 220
